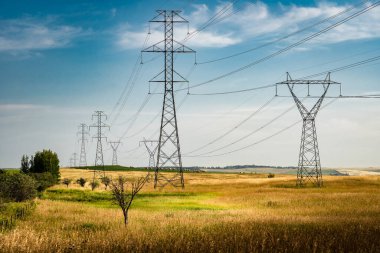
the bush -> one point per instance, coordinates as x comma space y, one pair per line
67, 181
94, 184
81, 181
106, 181
270, 175
43, 180
17, 187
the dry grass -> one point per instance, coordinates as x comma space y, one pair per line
215, 213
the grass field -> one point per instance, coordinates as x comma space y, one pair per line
214, 213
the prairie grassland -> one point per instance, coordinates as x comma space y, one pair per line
214, 213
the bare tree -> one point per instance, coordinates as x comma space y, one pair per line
124, 193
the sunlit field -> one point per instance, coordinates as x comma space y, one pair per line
214, 213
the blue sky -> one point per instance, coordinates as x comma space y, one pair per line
62, 60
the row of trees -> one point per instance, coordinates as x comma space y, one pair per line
82, 182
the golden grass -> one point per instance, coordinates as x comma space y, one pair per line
215, 213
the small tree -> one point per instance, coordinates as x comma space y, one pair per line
106, 181
124, 196
82, 182
25, 168
67, 181
94, 184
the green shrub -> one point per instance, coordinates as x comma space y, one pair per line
81, 181
106, 181
43, 180
17, 187
67, 181
94, 184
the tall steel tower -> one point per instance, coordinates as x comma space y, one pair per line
83, 134
114, 146
309, 164
169, 152
99, 160
152, 148
73, 160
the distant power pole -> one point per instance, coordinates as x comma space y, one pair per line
169, 152
99, 160
152, 148
309, 164
83, 134
114, 146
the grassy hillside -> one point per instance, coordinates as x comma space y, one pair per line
214, 213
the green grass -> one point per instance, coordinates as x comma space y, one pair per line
154, 201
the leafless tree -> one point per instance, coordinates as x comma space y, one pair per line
124, 192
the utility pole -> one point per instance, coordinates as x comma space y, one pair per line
99, 160
114, 146
169, 152
309, 164
83, 134
152, 148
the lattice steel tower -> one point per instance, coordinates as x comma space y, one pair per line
152, 148
73, 160
114, 146
83, 134
309, 164
99, 160
169, 152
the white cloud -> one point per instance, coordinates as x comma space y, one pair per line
131, 39
20, 107
258, 21
27, 34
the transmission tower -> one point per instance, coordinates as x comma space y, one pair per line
99, 125
152, 148
114, 146
83, 134
169, 152
309, 164
73, 160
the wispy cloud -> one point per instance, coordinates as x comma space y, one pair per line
21, 107
30, 34
259, 21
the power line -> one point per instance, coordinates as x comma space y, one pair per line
250, 116
128, 87
334, 70
211, 21
247, 135
358, 13
284, 37
261, 140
